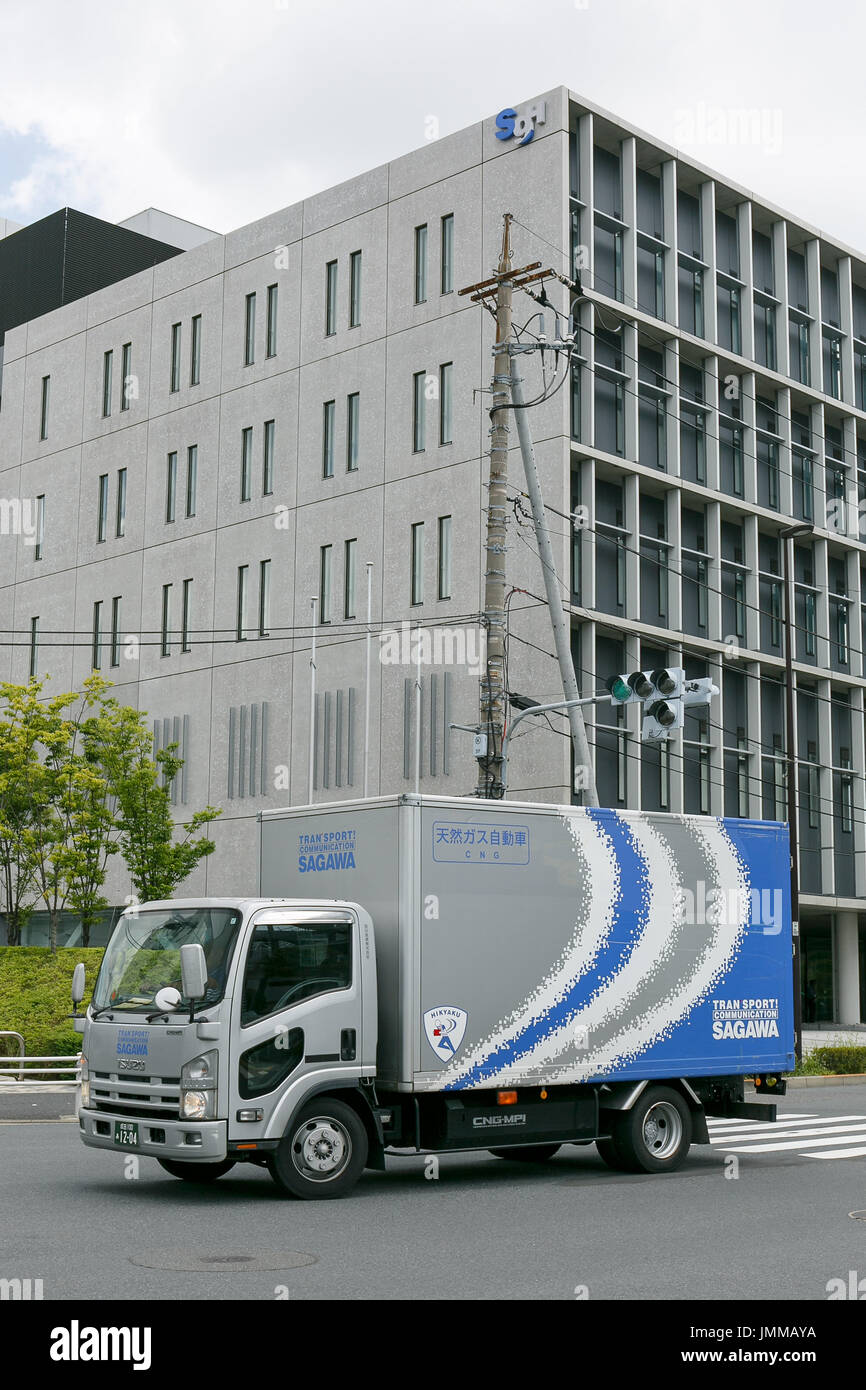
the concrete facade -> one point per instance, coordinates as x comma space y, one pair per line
621, 441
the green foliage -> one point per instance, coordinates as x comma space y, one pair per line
78, 785
36, 996
836, 1059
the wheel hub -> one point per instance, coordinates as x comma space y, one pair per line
321, 1149
662, 1129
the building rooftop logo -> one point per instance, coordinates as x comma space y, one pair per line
512, 126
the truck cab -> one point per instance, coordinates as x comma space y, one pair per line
218, 1028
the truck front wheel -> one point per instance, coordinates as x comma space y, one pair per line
654, 1136
323, 1152
196, 1172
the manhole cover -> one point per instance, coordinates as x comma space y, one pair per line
192, 1261
857, 1215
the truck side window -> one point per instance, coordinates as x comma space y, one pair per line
289, 962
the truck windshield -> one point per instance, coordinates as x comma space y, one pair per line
143, 955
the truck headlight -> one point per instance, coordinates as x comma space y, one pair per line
198, 1087
84, 1085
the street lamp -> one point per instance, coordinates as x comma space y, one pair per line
787, 535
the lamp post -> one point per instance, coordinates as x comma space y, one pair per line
787, 536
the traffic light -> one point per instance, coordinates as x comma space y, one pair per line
660, 692
641, 686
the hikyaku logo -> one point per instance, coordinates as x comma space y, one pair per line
445, 1027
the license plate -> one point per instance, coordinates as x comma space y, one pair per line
125, 1133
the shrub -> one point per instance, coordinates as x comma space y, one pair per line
36, 998
835, 1059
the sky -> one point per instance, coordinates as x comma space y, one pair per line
222, 111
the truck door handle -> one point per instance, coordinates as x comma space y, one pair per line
348, 1045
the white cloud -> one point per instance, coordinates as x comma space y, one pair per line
222, 111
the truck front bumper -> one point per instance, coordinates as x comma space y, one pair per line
198, 1141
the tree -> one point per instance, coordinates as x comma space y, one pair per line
157, 862
78, 785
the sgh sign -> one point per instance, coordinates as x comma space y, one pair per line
511, 126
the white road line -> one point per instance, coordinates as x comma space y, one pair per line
793, 1136
793, 1145
718, 1123
785, 1126
839, 1153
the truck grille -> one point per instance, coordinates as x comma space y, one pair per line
145, 1097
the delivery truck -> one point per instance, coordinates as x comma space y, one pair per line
423, 974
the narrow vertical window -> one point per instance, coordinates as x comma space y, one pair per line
191, 478
810, 624
115, 631
43, 408
264, 598
419, 412
107, 373
271, 338
417, 563
353, 420
330, 299
444, 557
349, 577
354, 289
165, 626
171, 486
241, 613
421, 264
249, 330
174, 371
186, 613
126, 382
96, 642
120, 510
447, 254
445, 399
34, 646
328, 412
246, 463
325, 558
102, 508
268, 459
40, 527
195, 351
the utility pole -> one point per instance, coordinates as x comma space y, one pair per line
584, 774
492, 696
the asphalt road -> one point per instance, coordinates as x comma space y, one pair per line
484, 1229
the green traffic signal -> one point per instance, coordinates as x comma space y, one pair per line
618, 688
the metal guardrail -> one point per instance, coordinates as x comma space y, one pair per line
26, 1070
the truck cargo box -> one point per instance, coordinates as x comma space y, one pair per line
526, 944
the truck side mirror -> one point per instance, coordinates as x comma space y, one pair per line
77, 985
193, 970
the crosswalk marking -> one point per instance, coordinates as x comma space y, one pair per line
792, 1136
789, 1115
806, 1135
795, 1126
790, 1145
839, 1153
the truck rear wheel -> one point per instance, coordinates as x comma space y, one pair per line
654, 1136
528, 1153
196, 1172
323, 1152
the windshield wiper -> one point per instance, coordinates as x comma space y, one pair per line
107, 1008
